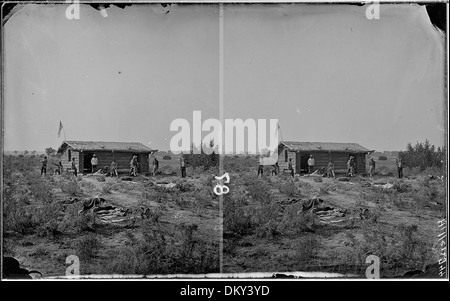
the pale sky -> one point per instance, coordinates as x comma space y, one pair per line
326, 72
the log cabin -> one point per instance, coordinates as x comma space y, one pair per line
322, 153
122, 152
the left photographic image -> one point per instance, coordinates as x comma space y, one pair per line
95, 100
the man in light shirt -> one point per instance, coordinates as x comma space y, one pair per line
94, 163
311, 163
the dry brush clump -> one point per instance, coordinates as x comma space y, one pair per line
88, 186
250, 208
399, 249
71, 187
75, 222
29, 207
40, 190
16, 218
160, 251
107, 188
295, 221
237, 218
87, 247
288, 188
205, 199
47, 219
306, 248
122, 261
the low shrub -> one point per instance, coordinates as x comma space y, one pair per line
74, 222
87, 247
40, 251
123, 261
236, 218
295, 221
288, 188
306, 248
71, 188
107, 188
269, 229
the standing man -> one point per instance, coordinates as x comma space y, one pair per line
94, 163
311, 163
113, 169
183, 167
260, 167
351, 167
290, 167
276, 169
74, 167
44, 166
134, 166
371, 167
399, 163
330, 169
155, 166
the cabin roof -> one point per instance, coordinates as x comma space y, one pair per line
325, 147
136, 147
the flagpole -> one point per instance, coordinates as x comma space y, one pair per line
64, 131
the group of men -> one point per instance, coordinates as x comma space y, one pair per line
351, 167
59, 167
134, 166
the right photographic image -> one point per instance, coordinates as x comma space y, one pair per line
335, 140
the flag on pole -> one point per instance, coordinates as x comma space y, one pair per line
280, 137
60, 128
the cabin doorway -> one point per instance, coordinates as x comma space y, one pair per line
304, 163
87, 156
297, 163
